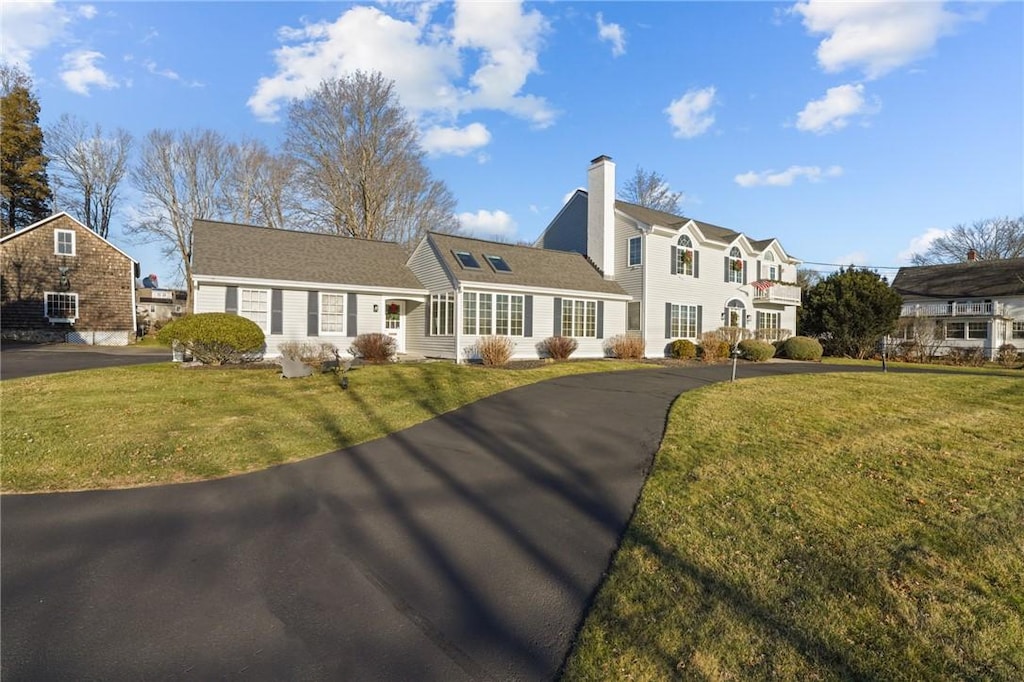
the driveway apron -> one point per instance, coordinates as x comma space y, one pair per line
465, 548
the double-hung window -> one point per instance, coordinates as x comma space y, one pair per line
734, 266
61, 307
442, 314
332, 313
254, 306
955, 330
683, 322
1018, 329
634, 251
508, 315
64, 242
477, 313
684, 256
977, 330
579, 318
633, 316
773, 272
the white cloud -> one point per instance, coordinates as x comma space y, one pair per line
613, 33
570, 193
81, 72
458, 141
87, 11
169, 74
689, 114
487, 224
921, 242
424, 59
876, 37
771, 178
833, 111
853, 258
28, 27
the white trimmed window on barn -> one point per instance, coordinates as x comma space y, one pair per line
61, 307
64, 242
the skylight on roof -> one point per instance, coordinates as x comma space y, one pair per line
467, 259
498, 263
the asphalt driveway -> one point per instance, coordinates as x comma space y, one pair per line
465, 548
19, 360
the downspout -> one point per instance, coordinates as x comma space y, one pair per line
643, 290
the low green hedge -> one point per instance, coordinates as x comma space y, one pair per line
215, 338
756, 350
801, 348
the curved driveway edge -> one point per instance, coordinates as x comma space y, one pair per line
465, 548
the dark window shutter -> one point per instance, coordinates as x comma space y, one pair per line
668, 320
746, 267
675, 260
231, 300
700, 320
352, 314
527, 316
600, 319
696, 263
313, 307
558, 316
759, 269
276, 311
727, 264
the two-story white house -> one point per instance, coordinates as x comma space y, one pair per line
683, 276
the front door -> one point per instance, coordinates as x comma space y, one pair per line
394, 323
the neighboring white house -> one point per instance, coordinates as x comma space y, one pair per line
683, 276
484, 288
974, 304
301, 286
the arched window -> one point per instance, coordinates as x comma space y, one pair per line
773, 272
685, 257
734, 266
735, 314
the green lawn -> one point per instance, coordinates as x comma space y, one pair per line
824, 527
988, 368
159, 423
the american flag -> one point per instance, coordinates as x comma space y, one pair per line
763, 284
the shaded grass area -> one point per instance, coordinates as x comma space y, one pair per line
824, 527
988, 368
159, 423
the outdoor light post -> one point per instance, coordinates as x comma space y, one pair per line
735, 355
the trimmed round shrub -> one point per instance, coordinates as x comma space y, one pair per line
215, 338
801, 348
757, 351
681, 349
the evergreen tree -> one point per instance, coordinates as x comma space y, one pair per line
849, 311
24, 187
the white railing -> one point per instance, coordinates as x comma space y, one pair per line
778, 293
963, 309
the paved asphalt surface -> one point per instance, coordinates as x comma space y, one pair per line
26, 360
464, 548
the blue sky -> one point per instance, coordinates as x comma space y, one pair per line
852, 132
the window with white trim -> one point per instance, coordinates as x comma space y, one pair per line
332, 313
955, 330
683, 322
773, 271
508, 315
635, 251
633, 316
769, 321
684, 256
64, 242
253, 305
477, 313
977, 330
735, 314
442, 314
61, 306
735, 273
579, 318
1018, 329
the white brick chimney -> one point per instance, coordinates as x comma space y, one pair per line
601, 214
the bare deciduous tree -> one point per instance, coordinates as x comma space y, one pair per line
359, 166
87, 168
180, 177
990, 239
256, 187
649, 189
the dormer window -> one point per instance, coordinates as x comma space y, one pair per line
685, 257
498, 263
773, 271
64, 242
734, 266
467, 260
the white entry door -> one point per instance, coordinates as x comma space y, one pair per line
394, 323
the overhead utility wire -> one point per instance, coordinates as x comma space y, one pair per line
856, 265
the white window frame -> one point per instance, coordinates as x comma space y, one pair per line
639, 252
735, 276
683, 246
331, 323
579, 318
46, 306
774, 320
56, 242
442, 314
509, 322
683, 321
1017, 332
969, 335
251, 314
477, 313
962, 326
639, 313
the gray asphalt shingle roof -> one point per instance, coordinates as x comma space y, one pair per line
963, 280
653, 217
230, 250
530, 266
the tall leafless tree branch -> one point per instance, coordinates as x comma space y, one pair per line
649, 189
990, 239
